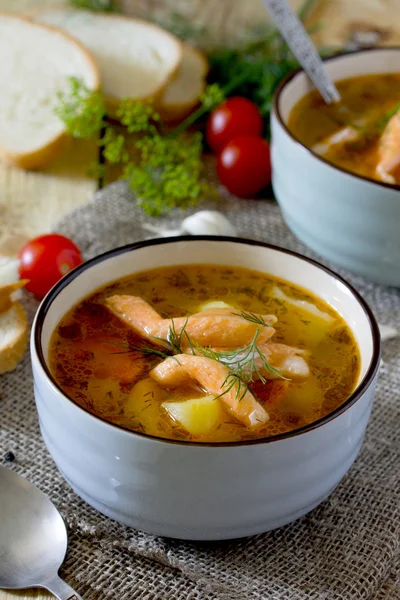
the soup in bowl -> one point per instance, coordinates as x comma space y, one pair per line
336, 169
203, 388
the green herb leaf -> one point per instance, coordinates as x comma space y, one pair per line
252, 318
163, 171
95, 5
384, 120
82, 110
242, 362
212, 96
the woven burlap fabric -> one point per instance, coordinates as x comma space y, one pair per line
346, 549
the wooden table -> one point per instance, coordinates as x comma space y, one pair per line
32, 202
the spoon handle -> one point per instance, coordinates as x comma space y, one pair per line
298, 40
61, 589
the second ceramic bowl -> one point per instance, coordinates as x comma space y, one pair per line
350, 220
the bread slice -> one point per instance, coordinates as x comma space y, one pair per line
9, 293
37, 61
13, 321
8, 270
136, 59
13, 337
182, 94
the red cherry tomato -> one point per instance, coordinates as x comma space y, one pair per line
236, 116
45, 259
244, 166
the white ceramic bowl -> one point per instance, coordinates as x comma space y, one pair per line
202, 491
351, 220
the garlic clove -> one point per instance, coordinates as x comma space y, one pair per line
204, 222
208, 222
387, 332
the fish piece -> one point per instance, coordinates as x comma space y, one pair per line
289, 361
342, 136
210, 375
389, 150
215, 326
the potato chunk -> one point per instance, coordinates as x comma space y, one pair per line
197, 415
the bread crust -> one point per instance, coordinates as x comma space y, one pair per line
173, 112
42, 156
13, 353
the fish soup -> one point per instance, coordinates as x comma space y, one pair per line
206, 354
361, 133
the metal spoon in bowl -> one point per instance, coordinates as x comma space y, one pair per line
33, 538
298, 40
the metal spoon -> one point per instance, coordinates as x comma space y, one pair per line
33, 538
298, 40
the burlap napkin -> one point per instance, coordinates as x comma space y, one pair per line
348, 548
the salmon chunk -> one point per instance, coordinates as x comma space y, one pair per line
212, 327
210, 375
389, 150
287, 360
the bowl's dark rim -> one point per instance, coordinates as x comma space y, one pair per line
292, 75
67, 279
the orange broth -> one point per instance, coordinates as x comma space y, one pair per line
93, 359
367, 102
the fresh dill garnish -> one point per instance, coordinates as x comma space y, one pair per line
174, 339
242, 365
81, 109
173, 344
384, 120
233, 380
95, 5
163, 170
252, 317
141, 349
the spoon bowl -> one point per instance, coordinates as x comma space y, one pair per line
33, 538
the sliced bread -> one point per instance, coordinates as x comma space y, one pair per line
13, 322
9, 293
14, 335
183, 93
136, 59
36, 62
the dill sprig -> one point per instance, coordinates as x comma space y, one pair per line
233, 380
242, 365
173, 344
141, 349
384, 120
163, 170
81, 109
95, 5
242, 361
252, 317
175, 339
